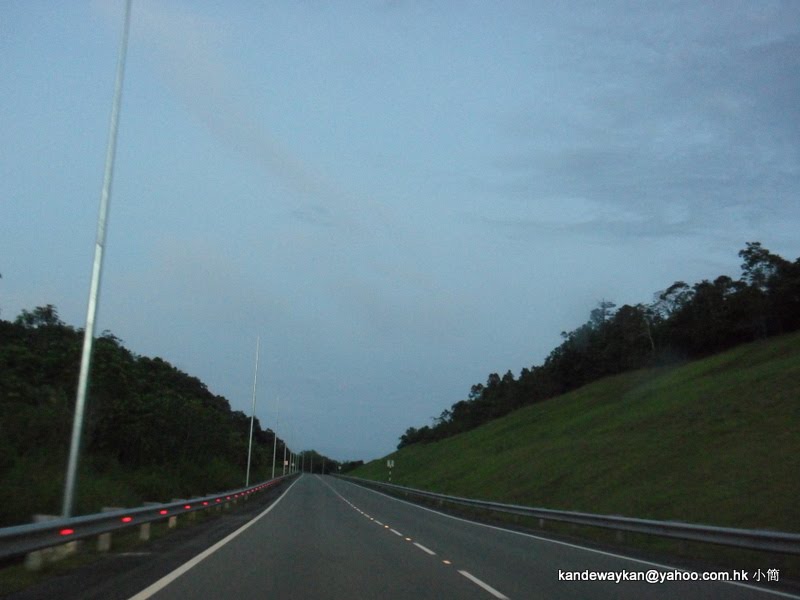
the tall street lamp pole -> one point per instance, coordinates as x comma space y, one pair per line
275, 438
97, 268
252, 414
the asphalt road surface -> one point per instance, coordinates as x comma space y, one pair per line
326, 538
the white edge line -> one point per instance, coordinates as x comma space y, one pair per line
569, 545
485, 586
424, 549
394, 531
170, 577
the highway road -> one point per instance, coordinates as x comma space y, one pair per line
326, 538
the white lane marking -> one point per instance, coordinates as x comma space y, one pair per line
485, 586
466, 574
424, 549
378, 522
170, 577
567, 544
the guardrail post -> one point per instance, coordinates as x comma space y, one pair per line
36, 559
104, 539
144, 528
173, 520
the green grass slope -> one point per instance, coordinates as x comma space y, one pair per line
716, 441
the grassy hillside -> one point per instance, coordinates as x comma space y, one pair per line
714, 441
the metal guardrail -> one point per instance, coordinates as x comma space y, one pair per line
750, 539
22, 539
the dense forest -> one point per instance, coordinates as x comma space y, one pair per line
151, 431
682, 322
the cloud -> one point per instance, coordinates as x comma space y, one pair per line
188, 48
313, 215
597, 152
603, 228
692, 130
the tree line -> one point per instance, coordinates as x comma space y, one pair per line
151, 431
682, 322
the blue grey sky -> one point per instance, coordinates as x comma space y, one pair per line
399, 197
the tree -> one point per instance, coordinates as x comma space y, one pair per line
158, 432
760, 265
784, 296
682, 321
602, 313
41, 316
411, 436
673, 299
627, 341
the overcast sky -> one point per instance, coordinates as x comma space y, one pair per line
398, 197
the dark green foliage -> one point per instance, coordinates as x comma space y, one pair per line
312, 461
710, 441
683, 322
349, 465
151, 431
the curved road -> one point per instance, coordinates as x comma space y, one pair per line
326, 538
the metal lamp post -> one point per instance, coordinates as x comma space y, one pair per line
252, 414
97, 268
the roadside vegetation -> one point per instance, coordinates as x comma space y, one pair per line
712, 441
682, 323
151, 433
